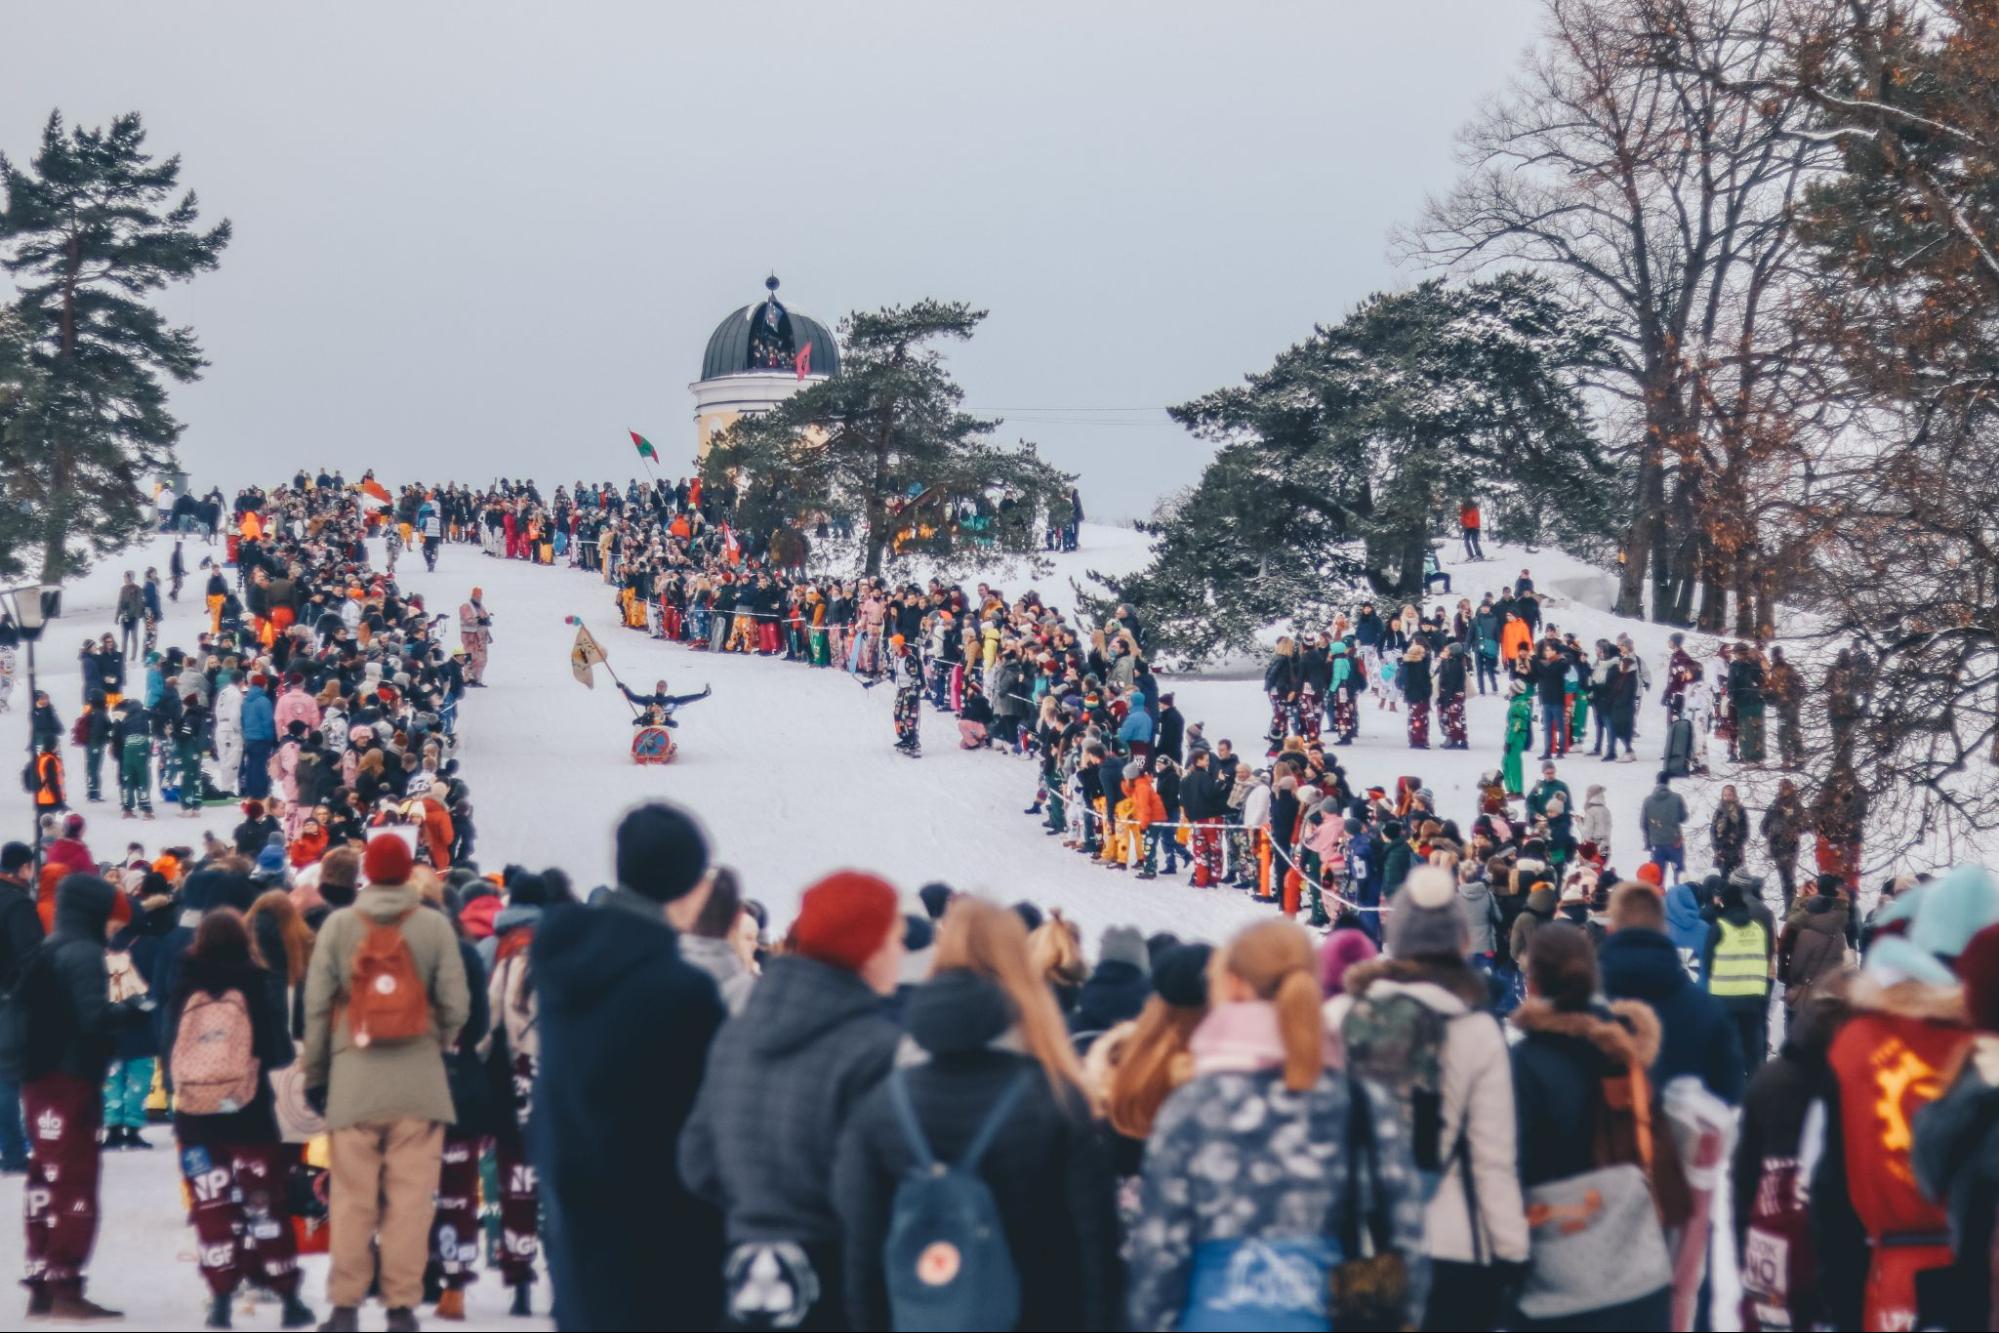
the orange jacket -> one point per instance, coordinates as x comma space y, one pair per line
1515, 639
438, 834
1146, 807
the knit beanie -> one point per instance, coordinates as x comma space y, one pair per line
844, 918
1123, 944
1180, 975
1427, 921
1342, 949
387, 860
661, 852
1650, 873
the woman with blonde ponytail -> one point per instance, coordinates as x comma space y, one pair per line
994, 1048
1251, 1162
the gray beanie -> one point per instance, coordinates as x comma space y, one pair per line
1133, 771
1124, 944
1427, 920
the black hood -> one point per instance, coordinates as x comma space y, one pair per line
83, 907
1641, 964
957, 1011
1116, 991
582, 954
800, 1000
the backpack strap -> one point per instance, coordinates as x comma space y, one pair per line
905, 1117
988, 1131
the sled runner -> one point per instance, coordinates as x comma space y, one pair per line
653, 745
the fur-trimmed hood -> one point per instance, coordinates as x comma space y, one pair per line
1460, 984
1917, 1000
1628, 1034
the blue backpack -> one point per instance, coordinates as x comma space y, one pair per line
946, 1257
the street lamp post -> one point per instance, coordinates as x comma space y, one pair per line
31, 606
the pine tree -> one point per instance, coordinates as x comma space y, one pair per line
89, 230
885, 445
1337, 464
21, 385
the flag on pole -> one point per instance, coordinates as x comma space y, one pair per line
644, 446
732, 549
584, 654
803, 361
369, 486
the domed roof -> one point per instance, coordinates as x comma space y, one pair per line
765, 339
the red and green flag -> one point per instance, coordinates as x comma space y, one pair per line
644, 446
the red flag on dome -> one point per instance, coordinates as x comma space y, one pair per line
803, 361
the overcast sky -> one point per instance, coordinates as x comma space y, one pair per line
475, 240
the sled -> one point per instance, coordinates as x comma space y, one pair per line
653, 745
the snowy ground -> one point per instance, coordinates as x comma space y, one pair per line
793, 773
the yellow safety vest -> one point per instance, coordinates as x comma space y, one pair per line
1741, 961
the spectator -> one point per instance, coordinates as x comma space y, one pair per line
781, 1082
386, 1100
624, 1031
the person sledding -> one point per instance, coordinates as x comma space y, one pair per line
656, 709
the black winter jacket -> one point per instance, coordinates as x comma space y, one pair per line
1047, 1168
73, 1026
625, 1027
783, 1077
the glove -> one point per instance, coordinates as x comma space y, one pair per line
316, 1099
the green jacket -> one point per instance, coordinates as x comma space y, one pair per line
1519, 723
370, 1085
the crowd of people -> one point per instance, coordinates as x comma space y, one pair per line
1495, 1087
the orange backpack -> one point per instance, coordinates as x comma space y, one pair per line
386, 999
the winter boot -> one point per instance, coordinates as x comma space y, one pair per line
402, 1319
296, 1313
523, 1305
218, 1310
40, 1300
451, 1304
68, 1303
344, 1319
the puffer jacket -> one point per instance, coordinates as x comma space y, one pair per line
72, 1027
1048, 1168
782, 1078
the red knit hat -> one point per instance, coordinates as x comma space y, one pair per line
844, 918
387, 860
1649, 873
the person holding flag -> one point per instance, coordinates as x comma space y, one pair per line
656, 709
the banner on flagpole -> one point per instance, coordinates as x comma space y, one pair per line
584, 654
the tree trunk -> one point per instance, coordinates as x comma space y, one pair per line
1640, 545
1746, 567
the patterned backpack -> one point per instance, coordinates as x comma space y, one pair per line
1396, 1042
214, 1061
